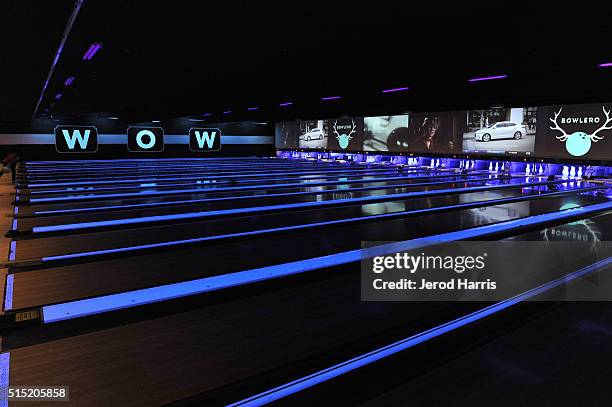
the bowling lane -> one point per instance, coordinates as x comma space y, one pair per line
99, 177
229, 202
46, 245
35, 207
292, 331
190, 177
64, 283
153, 187
220, 191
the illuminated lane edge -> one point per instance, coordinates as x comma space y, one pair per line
8, 292
240, 197
226, 174
5, 363
255, 186
409, 342
97, 305
12, 250
313, 225
256, 209
215, 181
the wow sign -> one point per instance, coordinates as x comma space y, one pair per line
76, 139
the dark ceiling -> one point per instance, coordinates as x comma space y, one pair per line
166, 59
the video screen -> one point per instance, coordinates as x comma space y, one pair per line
434, 133
575, 131
385, 133
313, 134
501, 131
345, 134
286, 135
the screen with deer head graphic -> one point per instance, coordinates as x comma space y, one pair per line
345, 134
581, 132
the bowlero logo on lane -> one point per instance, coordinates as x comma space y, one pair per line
204, 139
76, 139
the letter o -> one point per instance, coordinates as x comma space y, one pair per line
141, 134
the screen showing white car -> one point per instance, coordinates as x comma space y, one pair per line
501, 131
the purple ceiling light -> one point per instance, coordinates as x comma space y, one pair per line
395, 89
605, 65
93, 48
253, 108
206, 114
487, 78
331, 98
58, 96
285, 104
69, 81
227, 112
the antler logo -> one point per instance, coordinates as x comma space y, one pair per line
579, 142
344, 139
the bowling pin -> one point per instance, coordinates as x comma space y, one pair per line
580, 172
541, 169
565, 171
573, 172
491, 166
527, 169
496, 166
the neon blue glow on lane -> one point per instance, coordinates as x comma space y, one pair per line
232, 198
12, 250
256, 209
5, 369
228, 175
298, 227
245, 187
409, 342
211, 175
202, 180
97, 305
8, 292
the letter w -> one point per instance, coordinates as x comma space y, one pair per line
76, 136
201, 138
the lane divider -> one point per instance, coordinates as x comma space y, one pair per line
113, 302
215, 176
233, 198
268, 208
386, 216
409, 342
74, 197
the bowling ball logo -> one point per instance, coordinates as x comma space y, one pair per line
579, 143
344, 139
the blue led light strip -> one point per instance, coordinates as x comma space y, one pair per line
8, 292
97, 305
223, 189
370, 218
409, 342
234, 198
211, 175
5, 363
257, 209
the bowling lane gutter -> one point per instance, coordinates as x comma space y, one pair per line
49, 261
112, 302
241, 197
39, 230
